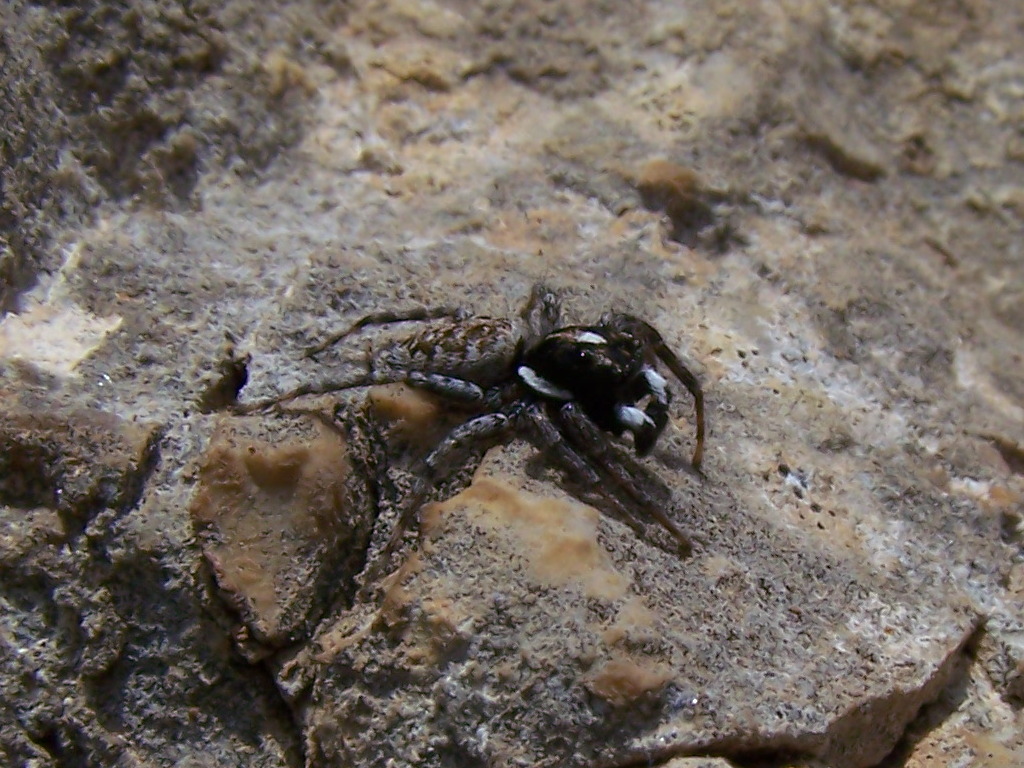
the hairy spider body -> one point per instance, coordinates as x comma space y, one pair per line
478, 350
605, 370
558, 385
608, 369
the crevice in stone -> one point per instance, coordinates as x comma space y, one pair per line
129, 495
257, 666
135, 482
231, 375
744, 752
286, 714
1012, 453
49, 742
941, 695
948, 700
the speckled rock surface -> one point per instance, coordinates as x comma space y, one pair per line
818, 204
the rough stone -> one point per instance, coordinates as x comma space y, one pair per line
103, 101
816, 203
285, 522
77, 463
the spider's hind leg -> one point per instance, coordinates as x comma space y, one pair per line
386, 317
459, 391
361, 379
477, 434
455, 390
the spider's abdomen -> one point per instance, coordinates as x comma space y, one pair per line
481, 350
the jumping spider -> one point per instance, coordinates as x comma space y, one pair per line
558, 386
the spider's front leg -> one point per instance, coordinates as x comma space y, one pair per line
585, 436
657, 410
689, 381
545, 437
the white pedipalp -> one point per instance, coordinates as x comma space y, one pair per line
589, 337
657, 383
632, 418
542, 386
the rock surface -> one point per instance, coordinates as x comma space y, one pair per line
817, 203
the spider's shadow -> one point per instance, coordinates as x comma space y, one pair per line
649, 493
673, 457
583, 463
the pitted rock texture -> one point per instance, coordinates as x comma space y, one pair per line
589, 628
285, 521
818, 204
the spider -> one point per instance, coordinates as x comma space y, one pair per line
562, 387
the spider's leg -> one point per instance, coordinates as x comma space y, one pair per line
546, 437
685, 376
453, 389
448, 387
585, 435
693, 387
415, 314
473, 434
361, 379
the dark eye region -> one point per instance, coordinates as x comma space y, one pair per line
563, 359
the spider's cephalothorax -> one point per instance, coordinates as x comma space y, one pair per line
609, 369
559, 386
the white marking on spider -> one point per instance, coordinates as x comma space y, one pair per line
589, 337
631, 417
657, 384
541, 385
